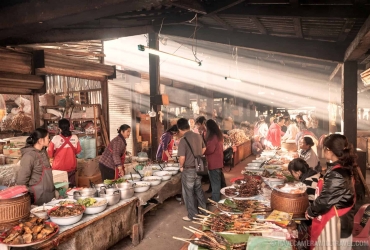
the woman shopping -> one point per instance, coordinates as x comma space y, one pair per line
215, 157
164, 152
35, 171
335, 197
63, 149
112, 161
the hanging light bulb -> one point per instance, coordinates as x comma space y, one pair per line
152, 113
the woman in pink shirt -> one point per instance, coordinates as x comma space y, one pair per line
63, 149
215, 157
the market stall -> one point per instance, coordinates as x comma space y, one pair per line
241, 143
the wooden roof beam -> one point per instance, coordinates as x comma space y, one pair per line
335, 71
360, 45
72, 35
326, 51
298, 27
221, 6
35, 15
259, 25
332, 11
347, 27
221, 22
191, 5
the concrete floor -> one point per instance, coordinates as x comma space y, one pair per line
165, 221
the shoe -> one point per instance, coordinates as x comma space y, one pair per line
186, 218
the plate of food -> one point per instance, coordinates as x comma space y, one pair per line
30, 232
229, 191
67, 214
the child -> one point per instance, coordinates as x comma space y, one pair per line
256, 146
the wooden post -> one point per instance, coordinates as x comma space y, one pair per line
154, 76
105, 102
349, 101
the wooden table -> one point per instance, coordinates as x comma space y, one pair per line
242, 151
99, 231
159, 193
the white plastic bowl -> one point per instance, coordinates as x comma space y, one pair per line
135, 176
39, 211
56, 202
254, 164
98, 209
66, 221
141, 186
164, 174
154, 180
172, 170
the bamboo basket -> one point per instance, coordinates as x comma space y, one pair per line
289, 203
14, 209
289, 146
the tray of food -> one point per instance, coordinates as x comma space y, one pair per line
229, 191
234, 206
29, 232
66, 214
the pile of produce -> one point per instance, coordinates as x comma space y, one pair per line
237, 136
22, 122
32, 230
66, 211
252, 187
111, 182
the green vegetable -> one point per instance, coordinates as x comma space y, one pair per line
87, 202
108, 182
230, 203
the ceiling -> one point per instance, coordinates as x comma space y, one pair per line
320, 33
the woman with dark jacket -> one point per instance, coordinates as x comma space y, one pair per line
35, 171
164, 152
336, 195
303, 173
215, 157
112, 161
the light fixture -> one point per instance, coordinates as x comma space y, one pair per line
232, 79
161, 53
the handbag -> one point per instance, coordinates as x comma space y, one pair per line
200, 162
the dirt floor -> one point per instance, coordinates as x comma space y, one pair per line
165, 221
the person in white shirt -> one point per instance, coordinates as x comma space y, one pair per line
308, 154
291, 132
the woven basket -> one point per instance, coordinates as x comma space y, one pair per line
289, 146
14, 209
290, 203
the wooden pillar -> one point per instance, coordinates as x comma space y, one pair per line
349, 101
154, 76
105, 104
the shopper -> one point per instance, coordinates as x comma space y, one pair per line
164, 152
112, 161
63, 149
306, 153
274, 134
261, 129
303, 173
215, 157
336, 195
291, 132
191, 182
35, 171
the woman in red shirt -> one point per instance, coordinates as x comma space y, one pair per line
63, 149
215, 157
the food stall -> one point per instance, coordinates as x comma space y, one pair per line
263, 208
241, 142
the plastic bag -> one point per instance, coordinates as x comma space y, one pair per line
148, 171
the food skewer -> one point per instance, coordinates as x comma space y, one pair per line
182, 239
196, 229
207, 211
206, 224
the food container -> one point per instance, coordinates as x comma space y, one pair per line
109, 190
40, 212
14, 209
57, 202
96, 209
164, 174
141, 186
290, 203
135, 177
254, 169
102, 186
154, 180
124, 185
172, 170
275, 181
67, 220
112, 198
126, 189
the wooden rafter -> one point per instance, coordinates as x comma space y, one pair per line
298, 27
318, 50
223, 7
360, 45
335, 71
259, 25
221, 21
191, 5
347, 27
36, 16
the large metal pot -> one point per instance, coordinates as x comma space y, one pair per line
112, 198
124, 185
126, 189
86, 192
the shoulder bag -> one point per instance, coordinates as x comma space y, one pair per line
200, 161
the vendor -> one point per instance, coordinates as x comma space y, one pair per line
112, 161
303, 173
63, 149
164, 152
308, 154
35, 171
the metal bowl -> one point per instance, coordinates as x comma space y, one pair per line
141, 186
124, 185
127, 193
166, 175
142, 159
136, 177
154, 180
112, 198
172, 170
108, 191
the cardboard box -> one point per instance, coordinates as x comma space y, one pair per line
12, 152
84, 181
17, 142
88, 167
60, 176
11, 160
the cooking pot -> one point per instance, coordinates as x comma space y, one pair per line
112, 198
